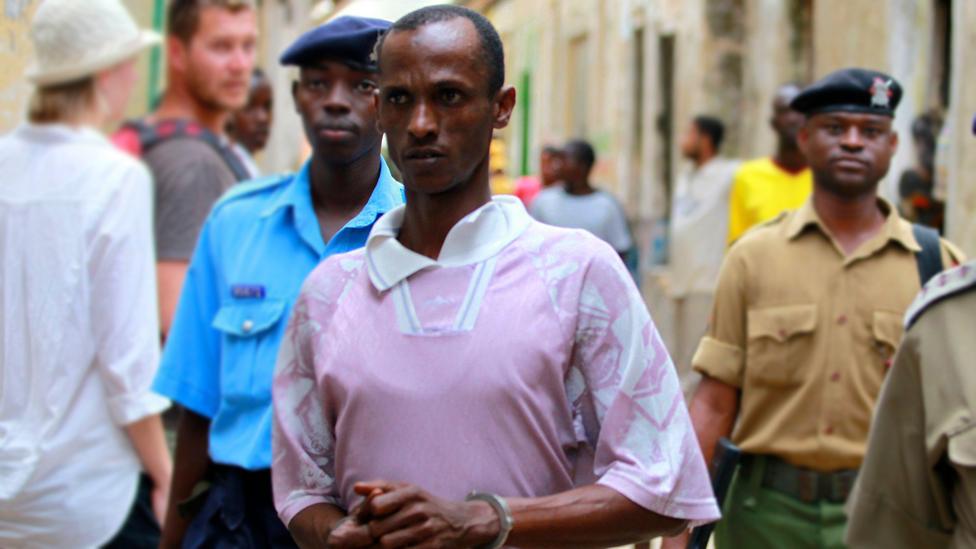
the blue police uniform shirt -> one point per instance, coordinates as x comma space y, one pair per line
257, 246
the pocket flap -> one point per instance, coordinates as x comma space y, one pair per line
962, 447
782, 323
887, 327
248, 319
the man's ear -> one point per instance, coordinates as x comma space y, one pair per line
803, 137
504, 104
376, 108
893, 142
176, 53
294, 95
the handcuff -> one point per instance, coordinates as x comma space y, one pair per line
505, 518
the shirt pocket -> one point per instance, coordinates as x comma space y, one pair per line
250, 346
887, 330
780, 342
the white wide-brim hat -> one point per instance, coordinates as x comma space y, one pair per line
78, 38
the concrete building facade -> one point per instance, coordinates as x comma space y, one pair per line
630, 74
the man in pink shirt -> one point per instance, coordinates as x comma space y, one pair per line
473, 378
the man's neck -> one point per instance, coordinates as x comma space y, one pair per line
702, 159
342, 190
579, 188
430, 217
789, 157
179, 104
851, 220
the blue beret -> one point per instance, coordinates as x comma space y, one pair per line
850, 90
346, 38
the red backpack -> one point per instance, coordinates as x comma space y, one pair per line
137, 136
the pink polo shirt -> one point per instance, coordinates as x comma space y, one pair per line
522, 362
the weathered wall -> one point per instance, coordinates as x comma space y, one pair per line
961, 203
15, 52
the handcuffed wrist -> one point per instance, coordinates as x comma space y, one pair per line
504, 513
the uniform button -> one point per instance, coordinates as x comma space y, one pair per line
842, 319
835, 376
829, 429
247, 326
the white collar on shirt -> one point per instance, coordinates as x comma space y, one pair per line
478, 236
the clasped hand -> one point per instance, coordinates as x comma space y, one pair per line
397, 514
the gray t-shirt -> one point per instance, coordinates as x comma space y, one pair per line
189, 177
598, 213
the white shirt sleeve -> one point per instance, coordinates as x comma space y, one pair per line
125, 321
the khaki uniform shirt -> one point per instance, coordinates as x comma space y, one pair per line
917, 487
807, 332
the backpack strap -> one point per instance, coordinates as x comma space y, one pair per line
150, 135
929, 258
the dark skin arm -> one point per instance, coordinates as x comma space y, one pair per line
713, 410
588, 517
190, 465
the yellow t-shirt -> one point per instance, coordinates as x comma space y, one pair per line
761, 191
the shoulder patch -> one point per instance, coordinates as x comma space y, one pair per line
942, 286
246, 188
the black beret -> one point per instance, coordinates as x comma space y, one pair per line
347, 38
850, 90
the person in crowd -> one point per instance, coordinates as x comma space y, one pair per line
507, 364
916, 186
807, 317
765, 187
550, 165
699, 221
250, 127
577, 204
210, 51
257, 246
917, 485
78, 328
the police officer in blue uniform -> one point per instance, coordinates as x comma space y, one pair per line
254, 251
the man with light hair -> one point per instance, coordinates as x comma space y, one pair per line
210, 51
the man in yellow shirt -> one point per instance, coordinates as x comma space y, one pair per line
765, 187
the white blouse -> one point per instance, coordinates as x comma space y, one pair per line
79, 334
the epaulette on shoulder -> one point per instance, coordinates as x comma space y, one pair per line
942, 286
252, 186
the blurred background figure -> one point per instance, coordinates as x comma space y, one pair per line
250, 127
915, 188
78, 330
550, 165
577, 204
501, 183
766, 187
210, 54
699, 223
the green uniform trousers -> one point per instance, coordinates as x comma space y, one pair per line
754, 517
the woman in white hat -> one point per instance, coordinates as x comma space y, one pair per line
79, 338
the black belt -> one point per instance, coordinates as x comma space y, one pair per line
806, 485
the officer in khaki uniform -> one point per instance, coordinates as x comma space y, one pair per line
917, 487
806, 319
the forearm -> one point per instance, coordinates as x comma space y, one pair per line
713, 410
310, 528
169, 275
592, 516
149, 442
191, 467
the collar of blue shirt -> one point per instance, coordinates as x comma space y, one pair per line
297, 196
387, 195
478, 236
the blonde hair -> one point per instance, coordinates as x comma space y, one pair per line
63, 102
